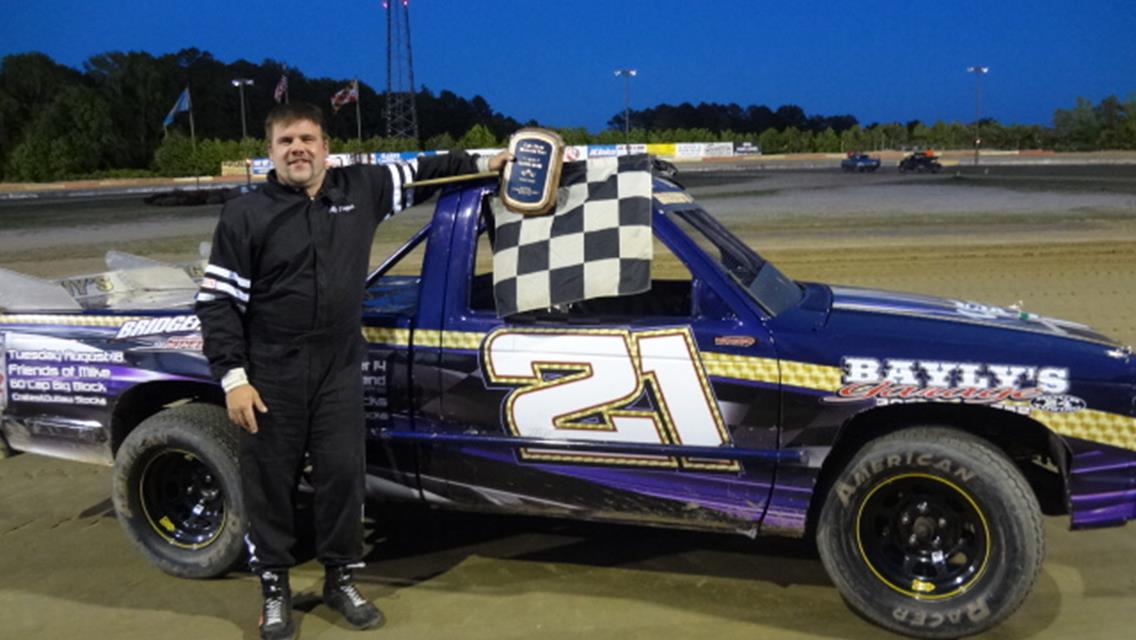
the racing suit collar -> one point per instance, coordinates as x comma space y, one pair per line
329, 190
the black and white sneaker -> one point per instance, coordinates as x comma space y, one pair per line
276, 613
339, 593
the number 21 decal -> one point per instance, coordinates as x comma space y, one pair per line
590, 385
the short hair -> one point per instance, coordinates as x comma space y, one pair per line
290, 112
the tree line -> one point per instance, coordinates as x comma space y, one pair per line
1111, 124
106, 120
57, 122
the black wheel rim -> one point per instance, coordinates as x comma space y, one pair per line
923, 536
182, 500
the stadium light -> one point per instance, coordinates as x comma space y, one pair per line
240, 84
627, 75
978, 73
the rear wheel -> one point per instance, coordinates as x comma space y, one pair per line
177, 491
931, 532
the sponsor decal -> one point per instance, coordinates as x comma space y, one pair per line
672, 197
192, 342
37, 371
88, 285
734, 341
1058, 404
607, 385
164, 324
1013, 387
3, 372
375, 390
978, 311
341, 208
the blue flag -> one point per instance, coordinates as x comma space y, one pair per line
182, 104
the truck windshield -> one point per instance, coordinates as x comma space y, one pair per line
771, 289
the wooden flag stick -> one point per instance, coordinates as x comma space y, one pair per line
450, 179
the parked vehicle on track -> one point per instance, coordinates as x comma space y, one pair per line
920, 162
859, 162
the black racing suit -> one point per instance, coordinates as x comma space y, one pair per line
282, 298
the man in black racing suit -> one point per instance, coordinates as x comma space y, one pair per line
280, 309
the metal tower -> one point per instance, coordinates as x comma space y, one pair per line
401, 115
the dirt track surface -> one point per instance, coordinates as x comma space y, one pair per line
1062, 241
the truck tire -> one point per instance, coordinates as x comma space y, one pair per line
931, 532
177, 491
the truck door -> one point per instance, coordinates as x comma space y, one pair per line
621, 408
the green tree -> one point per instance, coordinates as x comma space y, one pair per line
73, 136
771, 141
826, 141
1077, 128
440, 141
574, 135
175, 156
478, 137
29, 83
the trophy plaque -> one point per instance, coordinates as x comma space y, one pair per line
530, 179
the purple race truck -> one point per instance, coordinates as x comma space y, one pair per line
918, 439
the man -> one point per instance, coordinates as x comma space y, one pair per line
280, 312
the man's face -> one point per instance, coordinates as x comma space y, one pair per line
299, 154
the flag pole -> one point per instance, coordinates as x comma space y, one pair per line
192, 133
451, 179
358, 116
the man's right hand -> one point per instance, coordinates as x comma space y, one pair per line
240, 403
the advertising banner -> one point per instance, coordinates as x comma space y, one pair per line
690, 150
719, 150
603, 151
575, 152
661, 149
261, 166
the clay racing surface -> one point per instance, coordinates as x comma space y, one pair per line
1061, 240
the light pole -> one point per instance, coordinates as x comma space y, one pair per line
627, 75
978, 73
240, 84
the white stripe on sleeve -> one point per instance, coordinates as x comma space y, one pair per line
232, 276
233, 292
396, 186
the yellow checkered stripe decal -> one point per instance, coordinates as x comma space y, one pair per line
69, 320
810, 376
428, 338
724, 365
794, 374
1097, 426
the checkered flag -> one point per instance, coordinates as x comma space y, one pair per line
597, 242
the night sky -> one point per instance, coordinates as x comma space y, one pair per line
553, 61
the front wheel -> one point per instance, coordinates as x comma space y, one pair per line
177, 491
931, 532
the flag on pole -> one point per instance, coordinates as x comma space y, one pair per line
350, 93
182, 104
281, 93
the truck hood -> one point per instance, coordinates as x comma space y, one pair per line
913, 305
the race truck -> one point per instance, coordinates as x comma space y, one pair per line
920, 162
919, 440
859, 162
